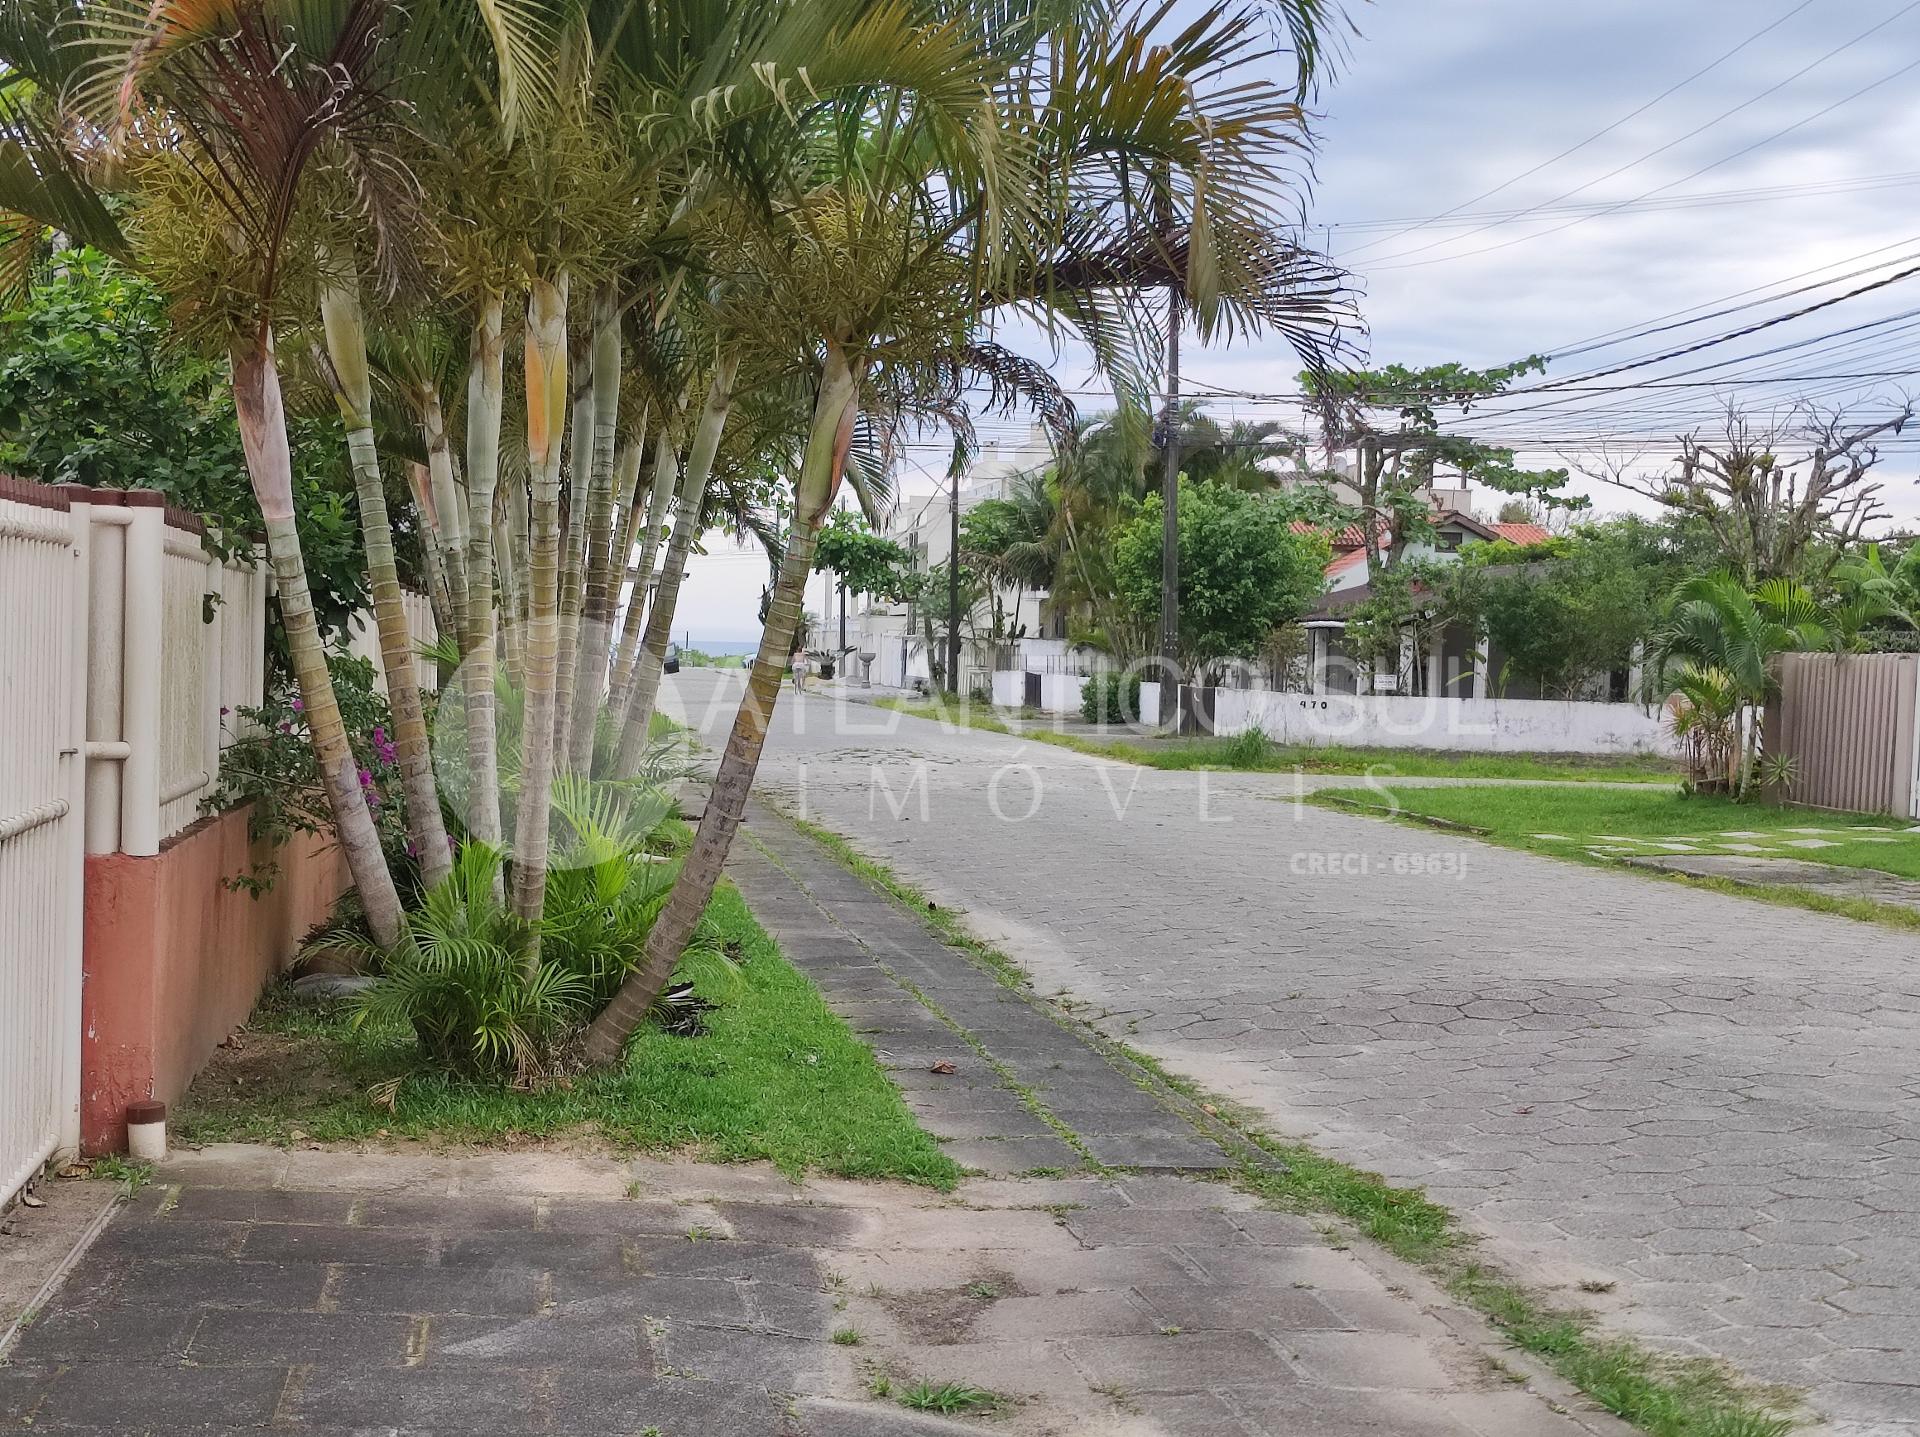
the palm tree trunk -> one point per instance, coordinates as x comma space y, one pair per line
263, 434
666, 477
645, 688
546, 351
432, 545
573, 540
484, 386
820, 470
449, 506
346, 338
596, 607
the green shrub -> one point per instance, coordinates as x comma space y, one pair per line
607, 882
1250, 748
1111, 699
459, 977
271, 764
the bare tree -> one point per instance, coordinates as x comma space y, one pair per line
1774, 493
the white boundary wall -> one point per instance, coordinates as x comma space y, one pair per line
1449, 724
1059, 693
1389, 721
123, 642
363, 641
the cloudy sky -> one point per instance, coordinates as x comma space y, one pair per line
1750, 147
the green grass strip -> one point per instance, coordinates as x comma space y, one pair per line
776, 1076
1513, 817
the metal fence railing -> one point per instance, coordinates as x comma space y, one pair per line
42, 863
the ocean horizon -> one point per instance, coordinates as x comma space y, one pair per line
739, 647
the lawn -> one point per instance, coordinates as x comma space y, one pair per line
776, 1076
1605, 825
1630, 822
1254, 753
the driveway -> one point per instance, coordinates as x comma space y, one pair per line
1708, 1102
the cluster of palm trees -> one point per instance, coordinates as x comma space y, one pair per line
1714, 655
736, 246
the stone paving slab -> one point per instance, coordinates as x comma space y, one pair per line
1083, 1303
1709, 1103
859, 945
1845, 882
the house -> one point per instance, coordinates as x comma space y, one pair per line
889, 640
1455, 665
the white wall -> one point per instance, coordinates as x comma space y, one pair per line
1455, 725
1061, 693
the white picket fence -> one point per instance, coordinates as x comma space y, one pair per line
42, 783
123, 642
363, 641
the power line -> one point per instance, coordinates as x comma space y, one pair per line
1598, 134
1911, 5
1614, 338
1752, 194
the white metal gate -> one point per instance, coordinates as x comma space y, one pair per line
43, 623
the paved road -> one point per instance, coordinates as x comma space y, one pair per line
1712, 1103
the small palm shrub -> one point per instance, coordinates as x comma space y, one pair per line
462, 976
488, 994
1111, 699
607, 882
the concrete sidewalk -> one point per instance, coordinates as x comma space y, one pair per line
1704, 1105
421, 1295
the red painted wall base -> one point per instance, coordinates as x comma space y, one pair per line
175, 959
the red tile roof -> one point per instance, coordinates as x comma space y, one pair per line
1522, 533
1345, 561
1351, 537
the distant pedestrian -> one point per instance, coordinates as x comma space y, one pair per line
802, 668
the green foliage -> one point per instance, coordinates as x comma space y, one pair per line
270, 764
94, 390
461, 978
1716, 652
1559, 623
946, 1397
607, 881
866, 561
489, 994
1396, 412
1243, 572
1248, 749
1111, 698
1013, 539
774, 1076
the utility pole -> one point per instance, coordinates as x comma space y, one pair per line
953, 570
1170, 523
843, 621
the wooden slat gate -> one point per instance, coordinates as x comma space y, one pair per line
43, 626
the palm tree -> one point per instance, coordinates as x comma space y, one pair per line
997, 179
350, 378
220, 119
1716, 650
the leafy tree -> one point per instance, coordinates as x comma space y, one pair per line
94, 390
1573, 607
1390, 420
1244, 571
866, 562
